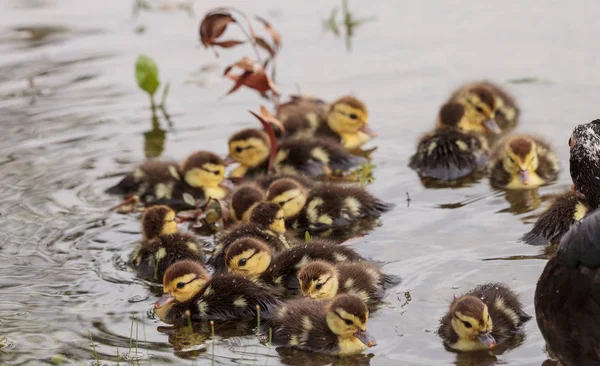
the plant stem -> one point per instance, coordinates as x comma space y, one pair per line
137, 323
95, 354
131, 336
212, 335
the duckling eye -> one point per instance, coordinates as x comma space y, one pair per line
348, 322
281, 203
242, 262
467, 324
239, 149
479, 109
353, 116
180, 285
319, 286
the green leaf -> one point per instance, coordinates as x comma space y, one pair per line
307, 236
146, 73
189, 199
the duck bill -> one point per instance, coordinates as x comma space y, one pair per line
165, 300
367, 130
229, 160
487, 340
365, 338
525, 177
492, 126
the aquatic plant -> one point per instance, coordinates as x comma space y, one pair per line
348, 22
146, 74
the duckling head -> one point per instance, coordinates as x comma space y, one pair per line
585, 160
242, 201
203, 169
348, 117
248, 257
182, 281
249, 147
318, 280
289, 194
270, 215
520, 159
158, 220
347, 317
475, 112
472, 323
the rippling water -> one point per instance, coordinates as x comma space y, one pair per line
62, 276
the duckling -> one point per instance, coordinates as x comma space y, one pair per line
243, 199
251, 148
321, 280
523, 162
188, 289
507, 111
345, 120
481, 318
477, 105
447, 153
267, 223
162, 182
336, 327
162, 245
253, 259
325, 205
571, 206
566, 296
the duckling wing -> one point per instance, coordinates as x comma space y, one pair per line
145, 177
567, 296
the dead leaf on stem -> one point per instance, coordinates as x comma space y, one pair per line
253, 77
213, 26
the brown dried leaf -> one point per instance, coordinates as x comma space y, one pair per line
274, 34
272, 139
227, 44
213, 26
253, 77
264, 45
239, 81
264, 112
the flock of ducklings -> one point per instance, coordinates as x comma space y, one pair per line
317, 293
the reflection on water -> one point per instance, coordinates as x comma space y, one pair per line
63, 254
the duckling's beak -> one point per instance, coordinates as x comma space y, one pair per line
367, 130
524, 176
487, 340
229, 160
165, 300
492, 125
365, 338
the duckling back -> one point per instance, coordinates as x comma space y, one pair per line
566, 297
144, 179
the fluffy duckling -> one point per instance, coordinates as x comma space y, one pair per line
571, 206
243, 199
251, 148
325, 205
267, 223
337, 327
452, 151
188, 289
523, 162
345, 120
323, 281
162, 182
475, 94
162, 245
254, 259
566, 297
481, 318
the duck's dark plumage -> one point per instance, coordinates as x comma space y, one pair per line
567, 296
563, 211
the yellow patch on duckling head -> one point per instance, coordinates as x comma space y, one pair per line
169, 224
347, 318
318, 280
250, 152
470, 321
291, 201
248, 257
479, 110
521, 161
184, 280
347, 115
208, 175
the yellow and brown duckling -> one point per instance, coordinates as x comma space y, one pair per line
253, 259
345, 120
482, 318
490, 103
325, 205
571, 206
267, 223
162, 244
163, 182
454, 150
188, 290
336, 327
324, 281
566, 297
243, 200
523, 162
251, 149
